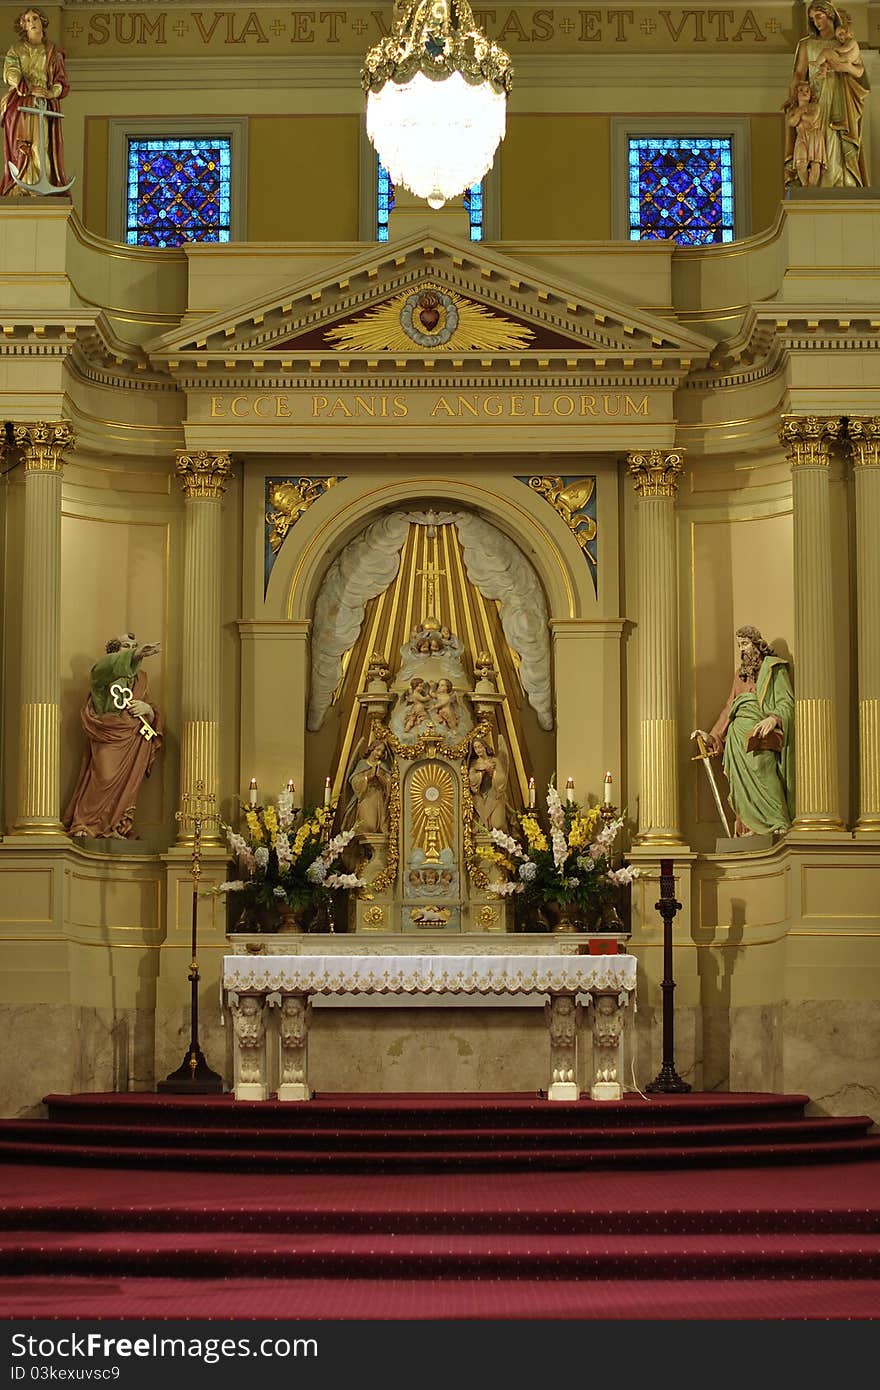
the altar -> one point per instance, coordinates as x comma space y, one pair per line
269, 1001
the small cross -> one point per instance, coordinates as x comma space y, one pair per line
181, 28
278, 28
359, 26
567, 26
74, 30
772, 26
648, 26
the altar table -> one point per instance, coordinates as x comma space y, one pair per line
254, 985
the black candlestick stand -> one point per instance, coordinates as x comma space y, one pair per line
667, 1080
194, 1077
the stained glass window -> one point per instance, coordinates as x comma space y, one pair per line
681, 188
473, 203
178, 190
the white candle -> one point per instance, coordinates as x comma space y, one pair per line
290, 785
252, 792
569, 791
531, 793
326, 791
607, 788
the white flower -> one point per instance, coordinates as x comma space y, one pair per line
625, 874
343, 881
285, 810
234, 886
572, 883
261, 857
503, 890
278, 891
337, 845
554, 807
560, 847
527, 870
507, 843
317, 871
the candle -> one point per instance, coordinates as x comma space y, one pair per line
252, 792
607, 788
326, 791
531, 793
290, 785
569, 791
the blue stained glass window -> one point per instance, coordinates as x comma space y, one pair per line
681, 189
473, 203
385, 193
178, 190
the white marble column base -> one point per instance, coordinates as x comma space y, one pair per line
606, 1090
251, 1090
294, 1090
563, 1090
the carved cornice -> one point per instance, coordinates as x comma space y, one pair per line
203, 475
656, 472
863, 433
42, 445
810, 439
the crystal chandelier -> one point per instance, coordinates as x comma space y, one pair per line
436, 98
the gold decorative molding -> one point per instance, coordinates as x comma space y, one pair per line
286, 501
574, 499
808, 439
43, 444
203, 474
432, 317
863, 434
655, 473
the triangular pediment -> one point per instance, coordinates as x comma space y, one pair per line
430, 297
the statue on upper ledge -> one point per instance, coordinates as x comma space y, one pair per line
488, 774
124, 733
754, 731
824, 124
35, 78
370, 782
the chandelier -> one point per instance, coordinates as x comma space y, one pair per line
436, 99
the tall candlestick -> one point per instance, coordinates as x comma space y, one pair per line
607, 788
531, 793
252, 792
326, 791
569, 791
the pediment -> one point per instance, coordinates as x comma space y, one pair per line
429, 299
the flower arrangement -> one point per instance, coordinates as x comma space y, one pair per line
569, 863
287, 858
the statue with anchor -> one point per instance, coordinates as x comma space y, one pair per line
36, 82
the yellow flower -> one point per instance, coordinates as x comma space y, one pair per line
496, 857
583, 828
253, 825
533, 833
270, 820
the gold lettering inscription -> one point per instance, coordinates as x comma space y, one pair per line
465, 406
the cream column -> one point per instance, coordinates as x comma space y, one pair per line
39, 768
656, 475
203, 479
809, 441
864, 437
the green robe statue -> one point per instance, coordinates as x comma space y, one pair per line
761, 779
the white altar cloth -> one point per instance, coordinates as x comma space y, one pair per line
513, 974
255, 987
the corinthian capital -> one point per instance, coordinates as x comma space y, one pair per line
863, 433
808, 439
43, 444
656, 473
203, 474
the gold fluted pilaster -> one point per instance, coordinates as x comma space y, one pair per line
810, 442
203, 479
42, 445
655, 474
864, 443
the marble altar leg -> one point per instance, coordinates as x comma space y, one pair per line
608, 1018
249, 1021
296, 1015
563, 1019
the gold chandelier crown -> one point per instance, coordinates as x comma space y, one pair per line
438, 38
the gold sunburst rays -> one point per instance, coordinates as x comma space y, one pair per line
432, 318
432, 802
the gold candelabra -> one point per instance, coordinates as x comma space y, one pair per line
194, 1076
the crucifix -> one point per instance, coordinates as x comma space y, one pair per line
430, 574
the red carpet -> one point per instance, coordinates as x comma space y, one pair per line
760, 1237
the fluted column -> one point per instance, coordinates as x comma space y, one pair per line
39, 767
203, 479
656, 475
810, 441
864, 436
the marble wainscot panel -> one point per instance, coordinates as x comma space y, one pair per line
832, 1054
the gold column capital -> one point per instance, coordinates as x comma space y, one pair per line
203, 474
808, 439
43, 444
656, 472
863, 433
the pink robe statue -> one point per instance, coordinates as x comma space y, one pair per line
33, 64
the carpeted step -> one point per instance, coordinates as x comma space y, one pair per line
481, 1160
219, 1254
426, 1111
306, 1300
411, 1139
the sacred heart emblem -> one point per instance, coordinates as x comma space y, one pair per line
429, 314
